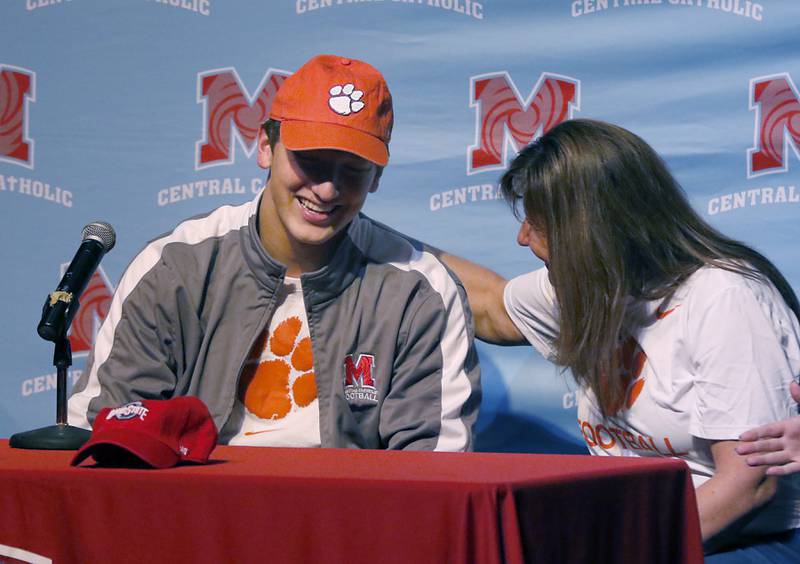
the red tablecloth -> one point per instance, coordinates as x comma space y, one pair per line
325, 505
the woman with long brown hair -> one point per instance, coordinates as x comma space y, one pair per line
680, 338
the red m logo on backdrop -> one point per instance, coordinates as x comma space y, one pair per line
94, 304
359, 373
229, 111
503, 117
17, 88
777, 106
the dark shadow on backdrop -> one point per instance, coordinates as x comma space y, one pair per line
518, 432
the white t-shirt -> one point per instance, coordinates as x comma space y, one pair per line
713, 362
277, 390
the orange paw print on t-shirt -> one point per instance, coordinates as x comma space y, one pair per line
632, 360
271, 388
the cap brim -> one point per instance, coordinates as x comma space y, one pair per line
307, 135
150, 450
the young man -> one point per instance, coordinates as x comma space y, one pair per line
296, 319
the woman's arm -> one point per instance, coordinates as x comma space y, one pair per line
733, 492
485, 293
742, 362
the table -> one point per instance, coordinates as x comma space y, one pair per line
327, 505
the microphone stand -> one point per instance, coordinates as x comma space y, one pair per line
60, 436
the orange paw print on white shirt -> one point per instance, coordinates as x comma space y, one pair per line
632, 360
284, 377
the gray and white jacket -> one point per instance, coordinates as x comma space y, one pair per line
191, 304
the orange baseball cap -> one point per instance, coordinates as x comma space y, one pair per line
336, 103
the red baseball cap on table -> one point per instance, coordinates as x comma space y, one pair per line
158, 433
333, 102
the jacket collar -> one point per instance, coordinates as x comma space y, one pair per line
322, 285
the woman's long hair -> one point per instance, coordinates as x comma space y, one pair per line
618, 228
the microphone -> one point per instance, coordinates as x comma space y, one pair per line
62, 304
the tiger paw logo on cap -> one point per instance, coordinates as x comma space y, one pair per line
345, 99
333, 102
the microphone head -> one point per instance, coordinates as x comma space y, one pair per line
101, 232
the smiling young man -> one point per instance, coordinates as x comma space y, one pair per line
298, 320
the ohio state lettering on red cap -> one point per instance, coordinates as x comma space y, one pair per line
159, 433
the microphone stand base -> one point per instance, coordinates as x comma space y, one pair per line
54, 437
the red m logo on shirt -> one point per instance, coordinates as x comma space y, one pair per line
359, 373
504, 118
231, 112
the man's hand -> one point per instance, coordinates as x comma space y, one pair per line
776, 445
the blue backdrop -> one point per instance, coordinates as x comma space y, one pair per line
143, 112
